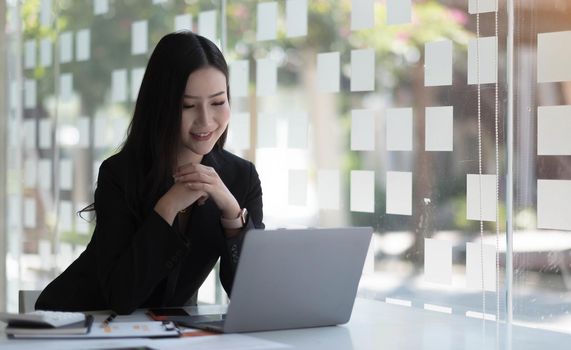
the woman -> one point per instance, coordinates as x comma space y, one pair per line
172, 201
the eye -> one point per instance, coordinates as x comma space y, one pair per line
219, 103
187, 106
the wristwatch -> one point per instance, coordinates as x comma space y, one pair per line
238, 222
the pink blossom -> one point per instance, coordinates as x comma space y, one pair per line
458, 16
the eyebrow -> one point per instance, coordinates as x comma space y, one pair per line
211, 96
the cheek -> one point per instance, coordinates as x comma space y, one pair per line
224, 116
186, 120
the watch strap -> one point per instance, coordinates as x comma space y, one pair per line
236, 223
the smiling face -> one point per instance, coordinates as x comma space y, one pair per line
205, 113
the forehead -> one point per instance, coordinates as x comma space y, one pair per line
205, 81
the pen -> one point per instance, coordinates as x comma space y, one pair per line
108, 320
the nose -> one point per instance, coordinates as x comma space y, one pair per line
204, 116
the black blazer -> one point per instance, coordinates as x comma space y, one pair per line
136, 259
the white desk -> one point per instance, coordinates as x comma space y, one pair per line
374, 325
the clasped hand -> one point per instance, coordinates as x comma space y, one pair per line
203, 183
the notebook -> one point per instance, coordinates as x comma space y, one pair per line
82, 327
293, 279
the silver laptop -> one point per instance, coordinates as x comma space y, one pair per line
294, 279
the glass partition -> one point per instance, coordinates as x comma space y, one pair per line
383, 113
542, 172
371, 118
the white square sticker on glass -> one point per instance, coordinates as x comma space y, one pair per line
65, 174
45, 250
207, 25
399, 192
30, 173
29, 133
14, 93
119, 127
46, 52
137, 75
363, 130
362, 14
328, 189
239, 131
484, 50
363, 70
482, 6
83, 45
297, 130
267, 15
267, 130
328, 72
553, 204
362, 191
64, 255
14, 137
553, 126
30, 54
65, 217
65, 47
553, 57
119, 85
30, 213
45, 168
296, 18
474, 276
100, 7
45, 133
66, 87
139, 37
101, 136
183, 22
15, 214
30, 96
437, 261
399, 129
46, 13
399, 11
439, 128
239, 78
266, 77
83, 129
297, 187
487, 195
438, 63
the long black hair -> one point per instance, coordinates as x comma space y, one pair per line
153, 136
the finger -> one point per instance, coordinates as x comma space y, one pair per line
191, 172
194, 177
186, 168
194, 168
199, 186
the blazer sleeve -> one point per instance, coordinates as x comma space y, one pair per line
132, 256
253, 203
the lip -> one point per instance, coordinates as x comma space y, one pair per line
201, 136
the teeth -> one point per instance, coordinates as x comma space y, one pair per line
203, 135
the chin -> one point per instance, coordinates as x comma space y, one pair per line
202, 150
